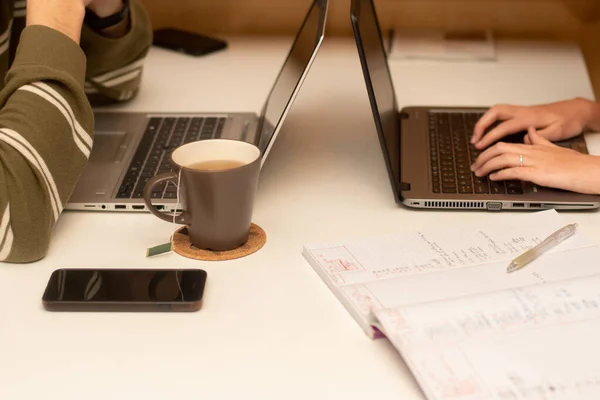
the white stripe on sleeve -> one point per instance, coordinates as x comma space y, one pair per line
20, 144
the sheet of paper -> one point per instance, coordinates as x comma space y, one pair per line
535, 342
437, 45
375, 273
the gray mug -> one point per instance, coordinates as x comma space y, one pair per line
218, 179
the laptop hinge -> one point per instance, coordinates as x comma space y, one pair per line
403, 186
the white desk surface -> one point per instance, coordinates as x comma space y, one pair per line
269, 327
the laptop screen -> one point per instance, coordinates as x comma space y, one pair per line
378, 81
298, 60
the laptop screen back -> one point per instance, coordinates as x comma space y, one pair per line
289, 78
378, 81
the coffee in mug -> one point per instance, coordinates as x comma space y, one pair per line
215, 165
217, 181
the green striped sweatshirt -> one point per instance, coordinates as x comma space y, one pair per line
46, 121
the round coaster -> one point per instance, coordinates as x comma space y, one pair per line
181, 245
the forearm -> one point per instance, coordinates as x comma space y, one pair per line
115, 64
592, 115
64, 17
106, 8
45, 140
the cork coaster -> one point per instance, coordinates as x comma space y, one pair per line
181, 245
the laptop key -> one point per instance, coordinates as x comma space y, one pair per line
449, 190
465, 189
124, 193
514, 190
497, 187
481, 189
219, 129
189, 139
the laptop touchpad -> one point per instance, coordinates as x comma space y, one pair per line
109, 147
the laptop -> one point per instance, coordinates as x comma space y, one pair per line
427, 149
130, 148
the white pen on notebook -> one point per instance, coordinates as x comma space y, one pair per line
533, 253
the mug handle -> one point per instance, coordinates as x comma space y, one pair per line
184, 218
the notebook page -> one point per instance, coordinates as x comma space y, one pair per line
536, 342
373, 273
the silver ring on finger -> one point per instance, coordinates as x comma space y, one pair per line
520, 160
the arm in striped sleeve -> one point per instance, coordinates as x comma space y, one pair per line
45, 140
115, 65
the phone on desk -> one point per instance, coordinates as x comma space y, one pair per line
186, 42
124, 290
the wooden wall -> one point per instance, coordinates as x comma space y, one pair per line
577, 20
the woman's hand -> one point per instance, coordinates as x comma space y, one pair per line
65, 16
104, 8
541, 162
556, 121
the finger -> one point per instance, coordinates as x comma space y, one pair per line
544, 134
526, 139
535, 137
504, 129
498, 149
497, 112
516, 173
502, 161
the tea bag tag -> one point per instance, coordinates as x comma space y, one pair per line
166, 247
178, 191
160, 249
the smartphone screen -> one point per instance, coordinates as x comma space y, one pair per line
187, 42
125, 289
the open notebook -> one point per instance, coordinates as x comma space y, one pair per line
466, 328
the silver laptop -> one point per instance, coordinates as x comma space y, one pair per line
427, 149
130, 148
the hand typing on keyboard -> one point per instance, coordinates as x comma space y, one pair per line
542, 162
556, 121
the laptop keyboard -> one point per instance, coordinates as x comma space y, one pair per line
451, 156
153, 155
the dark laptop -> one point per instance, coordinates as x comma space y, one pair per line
427, 149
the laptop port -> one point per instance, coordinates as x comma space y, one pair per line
120, 207
137, 207
493, 206
535, 206
159, 208
518, 205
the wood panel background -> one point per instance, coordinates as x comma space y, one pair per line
577, 20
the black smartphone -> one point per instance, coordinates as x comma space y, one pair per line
124, 290
186, 42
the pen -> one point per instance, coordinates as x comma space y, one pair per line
533, 253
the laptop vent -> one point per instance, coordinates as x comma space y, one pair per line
454, 204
